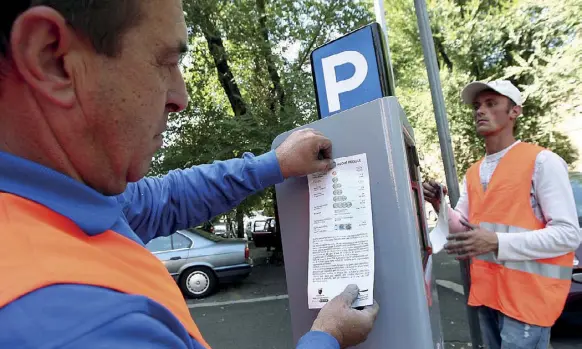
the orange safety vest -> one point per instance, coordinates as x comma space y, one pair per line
535, 291
58, 252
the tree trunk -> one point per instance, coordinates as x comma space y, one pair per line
226, 77
441, 50
220, 57
277, 91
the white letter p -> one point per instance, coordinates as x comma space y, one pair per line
332, 86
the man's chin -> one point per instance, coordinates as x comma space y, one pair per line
483, 131
138, 173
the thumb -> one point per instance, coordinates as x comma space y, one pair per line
349, 295
324, 165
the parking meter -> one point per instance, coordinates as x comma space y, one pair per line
358, 117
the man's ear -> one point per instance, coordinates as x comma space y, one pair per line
515, 112
40, 40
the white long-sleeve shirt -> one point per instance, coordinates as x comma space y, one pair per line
552, 200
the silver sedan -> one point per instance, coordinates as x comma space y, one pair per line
199, 261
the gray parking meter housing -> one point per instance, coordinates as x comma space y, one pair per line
407, 318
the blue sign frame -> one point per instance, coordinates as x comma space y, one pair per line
351, 70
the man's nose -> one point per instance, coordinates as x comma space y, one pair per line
177, 97
480, 111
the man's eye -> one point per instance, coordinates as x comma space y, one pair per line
174, 62
173, 65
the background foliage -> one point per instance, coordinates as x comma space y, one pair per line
249, 76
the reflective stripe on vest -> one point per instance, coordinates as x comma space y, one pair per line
64, 254
533, 267
534, 291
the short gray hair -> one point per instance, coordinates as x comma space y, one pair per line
103, 22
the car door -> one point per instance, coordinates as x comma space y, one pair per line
172, 255
181, 248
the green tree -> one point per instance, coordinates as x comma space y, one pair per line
530, 42
245, 85
249, 78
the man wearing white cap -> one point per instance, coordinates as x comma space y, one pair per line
516, 220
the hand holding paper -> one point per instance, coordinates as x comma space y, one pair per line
438, 236
303, 152
473, 243
346, 324
434, 193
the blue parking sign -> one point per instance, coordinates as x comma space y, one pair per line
350, 71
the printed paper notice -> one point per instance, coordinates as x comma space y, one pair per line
438, 236
341, 236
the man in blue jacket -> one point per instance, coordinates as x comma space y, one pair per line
85, 92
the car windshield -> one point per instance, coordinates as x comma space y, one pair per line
206, 235
576, 180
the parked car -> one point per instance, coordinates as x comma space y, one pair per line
221, 230
218, 228
250, 223
266, 234
199, 261
572, 314
206, 226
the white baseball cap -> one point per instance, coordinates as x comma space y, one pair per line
503, 87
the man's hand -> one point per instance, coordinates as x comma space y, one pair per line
473, 243
432, 193
304, 152
349, 326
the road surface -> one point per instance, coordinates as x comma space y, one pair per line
254, 314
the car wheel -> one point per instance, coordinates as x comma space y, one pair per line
198, 282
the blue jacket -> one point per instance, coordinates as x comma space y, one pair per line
80, 316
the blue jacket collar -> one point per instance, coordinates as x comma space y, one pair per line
93, 212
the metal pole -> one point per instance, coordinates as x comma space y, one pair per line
381, 19
446, 145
